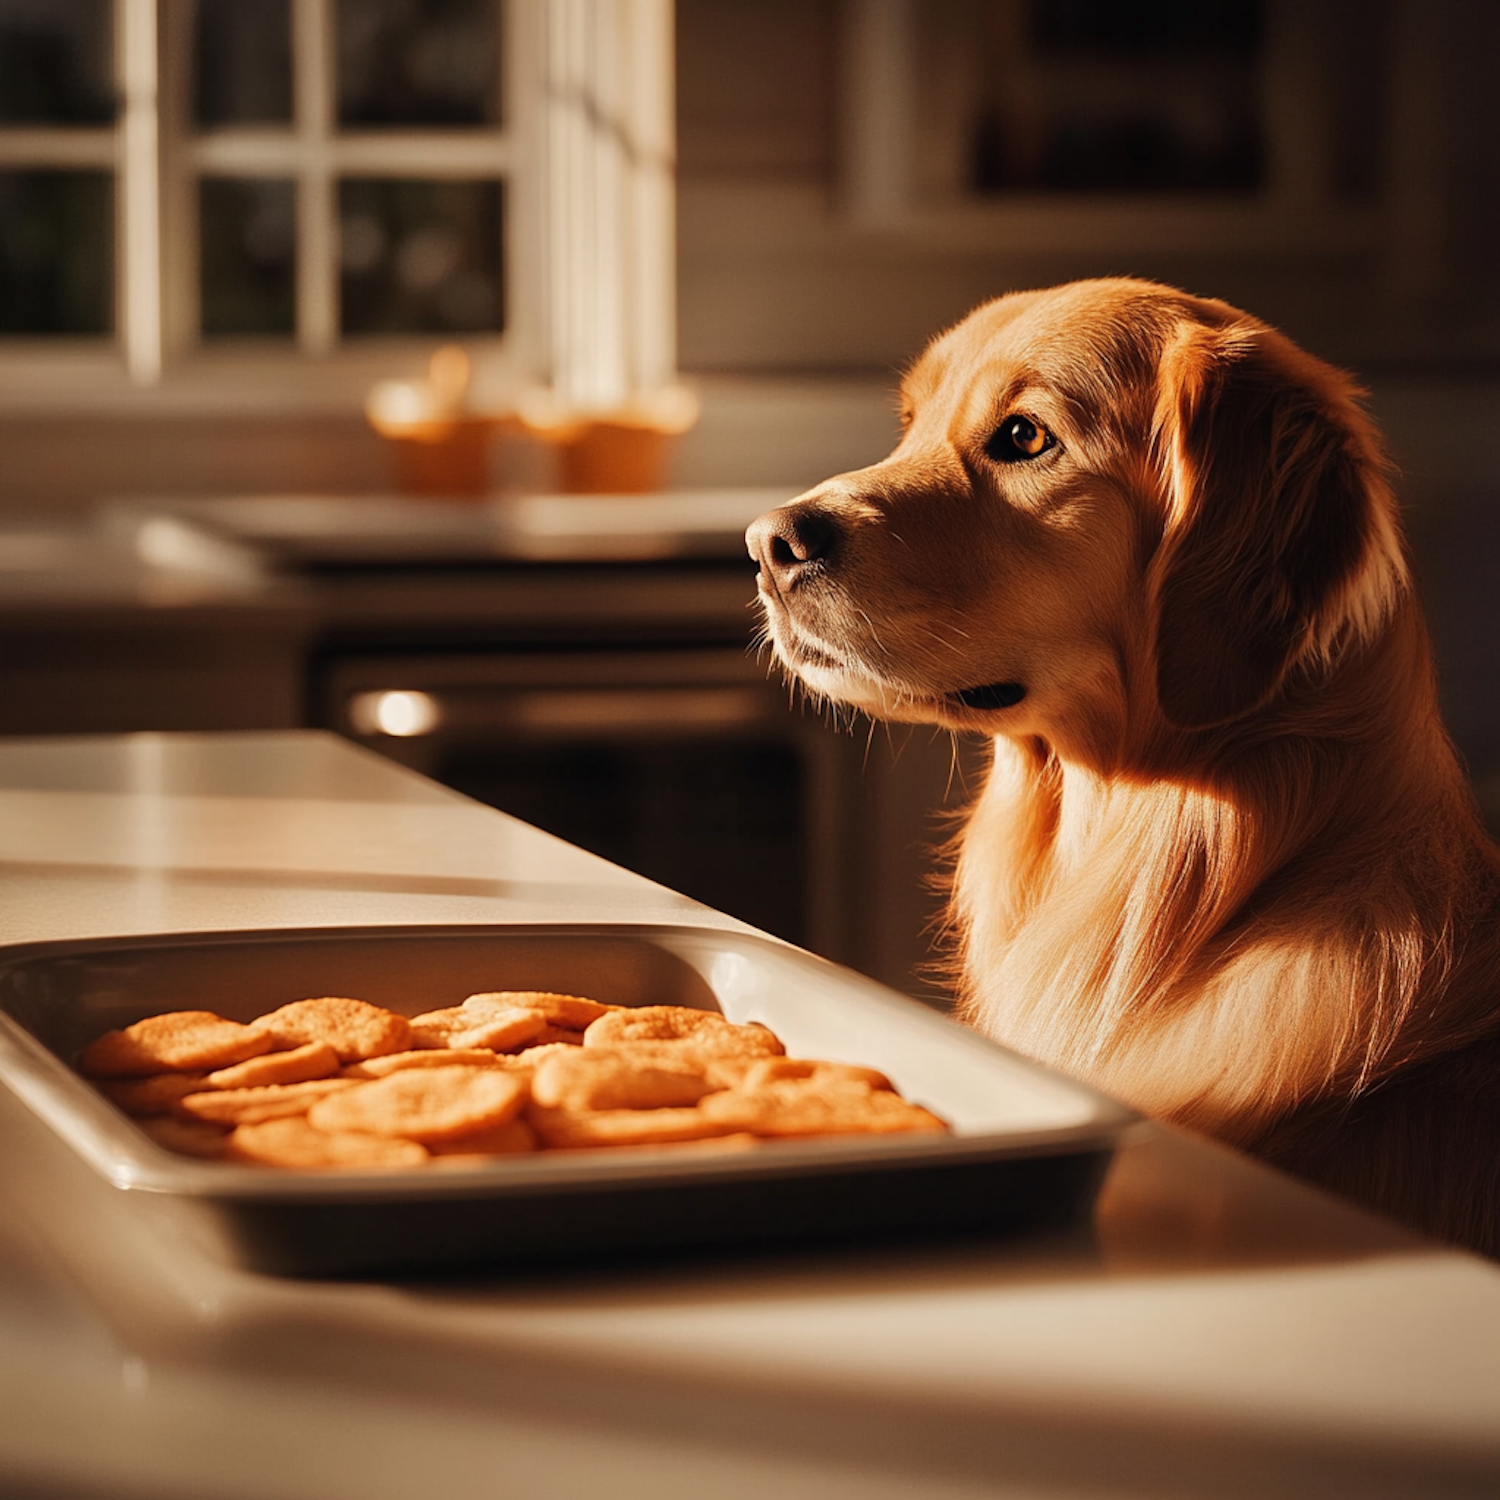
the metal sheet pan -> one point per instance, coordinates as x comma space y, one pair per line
1027, 1147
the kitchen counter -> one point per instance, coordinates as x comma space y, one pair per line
1218, 1330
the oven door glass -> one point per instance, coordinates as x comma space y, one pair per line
684, 766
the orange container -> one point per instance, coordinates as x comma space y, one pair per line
607, 457
444, 458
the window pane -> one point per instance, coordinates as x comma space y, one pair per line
421, 257
56, 252
247, 237
242, 58
418, 62
1146, 27
1094, 96
55, 62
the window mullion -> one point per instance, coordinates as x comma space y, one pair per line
277, 151
317, 224
31, 147
652, 222
138, 212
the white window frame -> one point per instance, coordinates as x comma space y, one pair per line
585, 152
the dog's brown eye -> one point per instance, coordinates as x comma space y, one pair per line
1018, 438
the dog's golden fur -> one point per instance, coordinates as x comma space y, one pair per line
1225, 863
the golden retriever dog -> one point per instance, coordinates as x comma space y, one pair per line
1225, 864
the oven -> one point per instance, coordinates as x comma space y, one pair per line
687, 765
684, 765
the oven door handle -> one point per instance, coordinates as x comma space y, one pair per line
638, 710
547, 712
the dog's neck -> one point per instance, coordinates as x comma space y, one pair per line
1190, 947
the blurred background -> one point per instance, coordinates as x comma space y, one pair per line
671, 260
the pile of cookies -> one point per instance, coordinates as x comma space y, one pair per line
335, 1082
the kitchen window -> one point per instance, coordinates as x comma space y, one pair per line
341, 169
189, 182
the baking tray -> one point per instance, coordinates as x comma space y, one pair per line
1027, 1148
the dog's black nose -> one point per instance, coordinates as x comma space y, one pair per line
784, 541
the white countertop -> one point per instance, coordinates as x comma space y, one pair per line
1221, 1330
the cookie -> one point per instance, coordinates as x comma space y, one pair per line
182, 1041
249, 1106
564, 1036
571, 1012
500, 1028
764, 1070
311, 1060
295, 1143
801, 1107
186, 1137
433, 1027
513, 1138
354, 1029
529, 1059
593, 1078
569, 1130
426, 1057
425, 1104
144, 1097
722, 1069
706, 1030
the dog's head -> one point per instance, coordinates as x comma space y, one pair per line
1114, 507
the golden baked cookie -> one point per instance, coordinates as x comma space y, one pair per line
722, 1069
298, 1065
425, 1057
186, 1137
564, 1036
249, 1106
593, 1078
510, 1139
798, 1107
354, 1029
143, 1097
572, 1012
570, 1130
425, 1104
737, 1140
706, 1030
181, 1041
529, 1059
500, 1028
764, 1070
433, 1027
295, 1143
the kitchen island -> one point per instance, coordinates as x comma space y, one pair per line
1218, 1329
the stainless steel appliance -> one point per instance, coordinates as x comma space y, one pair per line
681, 764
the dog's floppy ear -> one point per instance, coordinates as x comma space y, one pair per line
1276, 501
